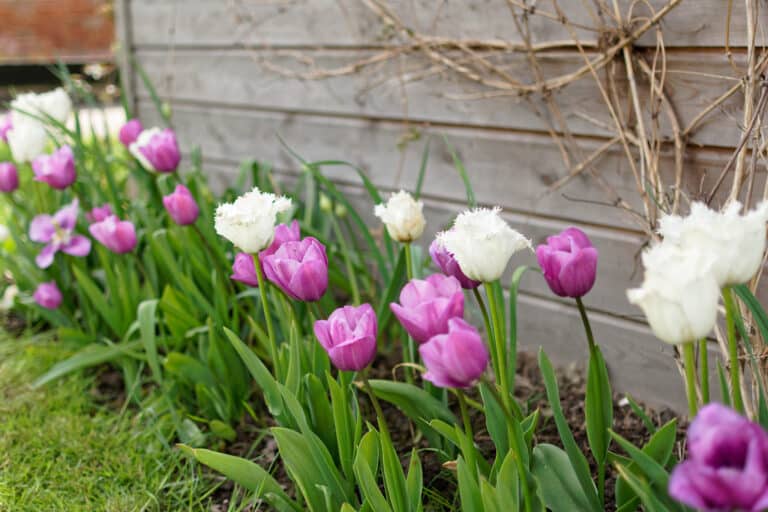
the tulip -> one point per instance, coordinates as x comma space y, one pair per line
427, 305
57, 169
157, 150
9, 177
446, 262
456, 359
349, 337
403, 216
48, 295
737, 242
99, 213
119, 236
57, 232
6, 125
300, 269
569, 263
482, 242
249, 222
9, 298
283, 233
129, 132
244, 270
727, 464
679, 294
5, 233
181, 206
29, 112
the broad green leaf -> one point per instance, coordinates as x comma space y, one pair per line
414, 482
598, 405
558, 481
469, 490
91, 355
147, 326
365, 468
394, 479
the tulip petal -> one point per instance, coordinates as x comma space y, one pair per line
577, 274
41, 229
45, 258
78, 246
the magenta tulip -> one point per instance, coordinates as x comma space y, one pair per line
157, 150
569, 263
283, 233
119, 236
349, 337
47, 295
6, 125
57, 169
300, 268
727, 464
244, 270
130, 131
449, 266
99, 213
426, 305
456, 359
9, 177
181, 206
57, 232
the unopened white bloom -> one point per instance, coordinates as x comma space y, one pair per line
28, 136
4, 233
736, 242
9, 297
249, 222
482, 242
679, 294
403, 216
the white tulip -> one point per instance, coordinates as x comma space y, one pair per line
28, 136
736, 242
403, 216
142, 140
249, 222
4, 233
482, 242
679, 294
9, 297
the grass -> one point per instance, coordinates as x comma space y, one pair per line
60, 450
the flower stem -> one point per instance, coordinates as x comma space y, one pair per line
354, 287
704, 370
410, 357
376, 406
689, 361
471, 460
587, 326
733, 349
499, 344
483, 310
265, 308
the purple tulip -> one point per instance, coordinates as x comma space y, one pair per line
157, 150
426, 306
300, 268
119, 236
181, 206
456, 359
244, 270
99, 213
727, 465
449, 266
283, 233
130, 131
349, 337
57, 232
6, 125
47, 295
57, 169
569, 263
9, 177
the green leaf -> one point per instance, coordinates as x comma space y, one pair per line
365, 467
471, 201
412, 400
558, 481
394, 479
598, 405
415, 481
422, 169
98, 300
645, 462
469, 490
188, 369
343, 425
91, 355
147, 326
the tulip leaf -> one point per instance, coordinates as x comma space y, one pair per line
147, 325
645, 462
598, 405
415, 481
394, 479
383, 313
469, 490
188, 369
471, 201
91, 355
761, 318
558, 481
422, 169
98, 300
342, 423
365, 468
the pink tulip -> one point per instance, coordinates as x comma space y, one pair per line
456, 359
244, 270
300, 269
569, 263
119, 236
349, 337
446, 262
157, 150
181, 206
47, 295
99, 213
57, 169
9, 177
283, 233
130, 132
57, 232
6, 125
426, 306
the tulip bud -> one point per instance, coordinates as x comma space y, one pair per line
181, 206
129, 132
569, 263
456, 359
57, 169
349, 337
244, 270
99, 213
300, 269
157, 150
427, 305
482, 242
6, 125
403, 216
47, 295
9, 177
249, 222
119, 236
449, 266
326, 205
679, 294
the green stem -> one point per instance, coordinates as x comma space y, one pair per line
376, 406
483, 310
704, 370
411, 346
733, 349
347, 261
499, 343
689, 361
265, 308
471, 459
587, 326
601, 482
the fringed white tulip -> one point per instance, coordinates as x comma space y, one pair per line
249, 222
28, 135
403, 216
